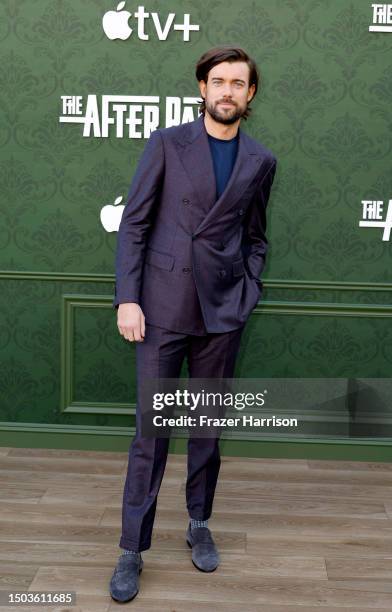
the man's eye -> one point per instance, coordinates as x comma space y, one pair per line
220, 82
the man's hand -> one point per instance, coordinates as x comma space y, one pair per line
130, 321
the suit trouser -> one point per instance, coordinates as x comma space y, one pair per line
161, 355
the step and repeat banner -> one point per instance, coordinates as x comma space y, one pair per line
83, 85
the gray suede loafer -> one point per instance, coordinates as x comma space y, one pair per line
124, 584
204, 552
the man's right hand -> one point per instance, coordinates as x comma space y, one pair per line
130, 321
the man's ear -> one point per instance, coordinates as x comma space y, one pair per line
251, 91
202, 87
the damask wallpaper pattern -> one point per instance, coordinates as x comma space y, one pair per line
323, 108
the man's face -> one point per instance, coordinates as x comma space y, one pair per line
227, 91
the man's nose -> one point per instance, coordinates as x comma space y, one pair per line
227, 91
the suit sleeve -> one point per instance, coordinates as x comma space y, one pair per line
136, 220
255, 243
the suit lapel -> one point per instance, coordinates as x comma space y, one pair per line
195, 155
194, 151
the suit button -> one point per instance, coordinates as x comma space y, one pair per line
241, 211
185, 200
186, 270
222, 273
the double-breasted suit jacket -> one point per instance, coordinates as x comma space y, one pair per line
181, 253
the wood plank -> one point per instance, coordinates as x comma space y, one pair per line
16, 577
267, 472
360, 569
14, 492
320, 546
89, 495
290, 463
270, 524
293, 505
336, 466
43, 478
60, 553
246, 490
58, 514
15, 531
388, 509
350, 477
68, 453
62, 465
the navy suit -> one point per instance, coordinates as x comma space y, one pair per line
180, 253
193, 264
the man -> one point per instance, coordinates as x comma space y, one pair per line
191, 247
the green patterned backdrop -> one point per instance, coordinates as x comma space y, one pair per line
324, 109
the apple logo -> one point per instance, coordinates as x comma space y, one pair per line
115, 23
111, 215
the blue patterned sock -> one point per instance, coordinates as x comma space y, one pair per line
196, 523
129, 552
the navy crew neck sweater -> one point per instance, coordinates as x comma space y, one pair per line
224, 153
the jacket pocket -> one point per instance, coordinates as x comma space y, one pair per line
238, 267
160, 260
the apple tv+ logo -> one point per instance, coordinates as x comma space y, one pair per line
115, 24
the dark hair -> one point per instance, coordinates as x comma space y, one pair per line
226, 53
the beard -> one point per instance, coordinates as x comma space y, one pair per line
227, 115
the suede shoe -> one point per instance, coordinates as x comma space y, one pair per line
205, 556
124, 584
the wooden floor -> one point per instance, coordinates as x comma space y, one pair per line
293, 535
